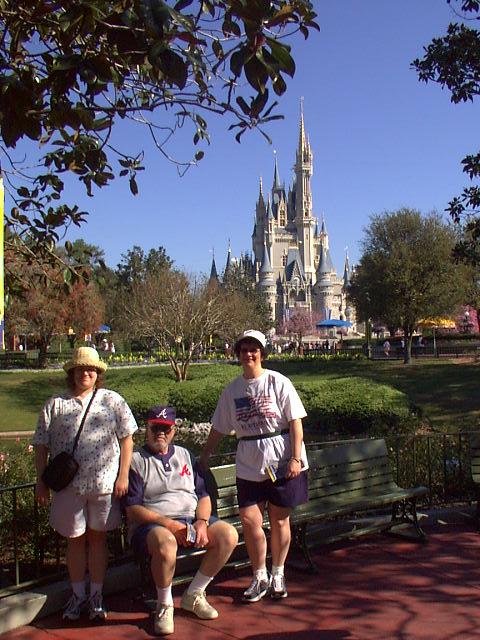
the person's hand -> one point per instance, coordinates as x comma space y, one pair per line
179, 530
201, 528
42, 493
121, 486
294, 468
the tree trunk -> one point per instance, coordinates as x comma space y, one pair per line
407, 351
176, 368
43, 354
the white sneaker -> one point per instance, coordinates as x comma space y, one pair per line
74, 607
96, 610
163, 620
278, 587
197, 603
256, 590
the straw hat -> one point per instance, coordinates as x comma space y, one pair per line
85, 357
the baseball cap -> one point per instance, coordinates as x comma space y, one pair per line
161, 414
251, 334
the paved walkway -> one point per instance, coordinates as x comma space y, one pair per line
373, 588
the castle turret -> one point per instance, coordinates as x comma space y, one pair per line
267, 281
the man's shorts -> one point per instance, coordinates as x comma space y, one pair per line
71, 514
139, 538
282, 493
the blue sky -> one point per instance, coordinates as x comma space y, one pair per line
381, 140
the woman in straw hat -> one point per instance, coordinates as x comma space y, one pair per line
89, 506
264, 410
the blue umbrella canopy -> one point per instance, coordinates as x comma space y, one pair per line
333, 323
103, 328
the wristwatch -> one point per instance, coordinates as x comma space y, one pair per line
205, 520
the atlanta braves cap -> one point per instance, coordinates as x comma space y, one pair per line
161, 414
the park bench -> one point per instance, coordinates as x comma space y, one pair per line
343, 479
348, 479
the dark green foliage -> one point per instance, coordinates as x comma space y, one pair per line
453, 61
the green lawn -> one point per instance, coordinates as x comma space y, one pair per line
445, 392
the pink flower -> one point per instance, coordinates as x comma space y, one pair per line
30, 448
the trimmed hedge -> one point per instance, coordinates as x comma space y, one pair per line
349, 407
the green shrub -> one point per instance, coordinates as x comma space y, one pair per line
195, 401
349, 407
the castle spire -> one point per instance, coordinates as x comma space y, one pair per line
213, 269
301, 136
276, 179
229, 259
346, 270
324, 228
260, 191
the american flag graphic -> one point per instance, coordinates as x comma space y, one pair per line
247, 409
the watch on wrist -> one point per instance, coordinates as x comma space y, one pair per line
205, 520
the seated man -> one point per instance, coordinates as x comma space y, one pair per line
168, 506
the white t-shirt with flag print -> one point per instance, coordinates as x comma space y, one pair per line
255, 406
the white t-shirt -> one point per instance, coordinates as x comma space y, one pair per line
98, 452
255, 406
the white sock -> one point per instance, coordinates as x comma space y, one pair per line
78, 589
261, 574
96, 587
164, 596
278, 570
199, 583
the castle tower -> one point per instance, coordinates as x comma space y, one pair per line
267, 281
304, 220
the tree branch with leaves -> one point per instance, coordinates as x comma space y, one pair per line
71, 71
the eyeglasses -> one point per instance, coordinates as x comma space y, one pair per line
249, 349
161, 428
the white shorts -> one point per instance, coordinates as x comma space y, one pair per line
71, 513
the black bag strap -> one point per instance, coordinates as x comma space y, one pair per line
83, 422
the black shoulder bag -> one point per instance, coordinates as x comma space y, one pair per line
61, 469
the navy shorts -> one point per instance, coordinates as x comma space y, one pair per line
282, 493
139, 538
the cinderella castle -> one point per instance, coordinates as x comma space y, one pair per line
291, 260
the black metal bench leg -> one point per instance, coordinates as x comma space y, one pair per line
408, 515
299, 540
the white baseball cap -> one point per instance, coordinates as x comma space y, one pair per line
251, 334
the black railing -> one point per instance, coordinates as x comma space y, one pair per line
440, 351
31, 553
